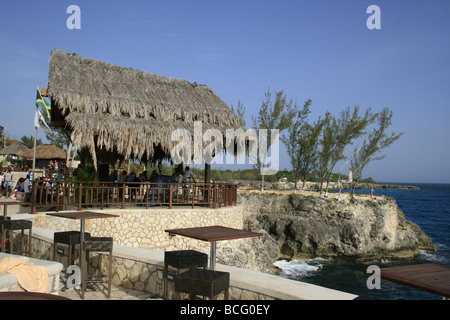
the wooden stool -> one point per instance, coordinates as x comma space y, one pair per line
70, 238
97, 244
184, 259
199, 282
11, 225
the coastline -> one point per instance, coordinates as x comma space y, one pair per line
428, 208
381, 186
314, 186
305, 225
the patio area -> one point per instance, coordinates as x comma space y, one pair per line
117, 293
138, 270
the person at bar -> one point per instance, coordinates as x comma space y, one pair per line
188, 178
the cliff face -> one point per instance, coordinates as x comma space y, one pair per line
361, 229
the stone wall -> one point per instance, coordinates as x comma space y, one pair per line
144, 228
138, 263
138, 270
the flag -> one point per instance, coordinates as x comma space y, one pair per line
40, 102
39, 122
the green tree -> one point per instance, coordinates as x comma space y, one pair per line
301, 144
3, 135
337, 134
240, 112
326, 145
308, 142
375, 141
272, 115
29, 141
58, 137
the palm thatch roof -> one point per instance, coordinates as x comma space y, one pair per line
15, 149
45, 152
128, 111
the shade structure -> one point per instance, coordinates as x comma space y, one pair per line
45, 152
130, 112
15, 149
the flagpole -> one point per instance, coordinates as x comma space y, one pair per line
34, 150
37, 119
34, 154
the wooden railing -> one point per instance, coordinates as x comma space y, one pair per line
58, 195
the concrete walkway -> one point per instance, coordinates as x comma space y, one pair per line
117, 293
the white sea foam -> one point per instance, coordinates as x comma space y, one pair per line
432, 256
296, 269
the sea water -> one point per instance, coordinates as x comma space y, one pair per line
428, 207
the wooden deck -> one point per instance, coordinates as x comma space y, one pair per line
433, 278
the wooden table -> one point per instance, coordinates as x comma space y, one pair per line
11, 203
433, 278
213, 234
82, 216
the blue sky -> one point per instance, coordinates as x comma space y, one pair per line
318, 50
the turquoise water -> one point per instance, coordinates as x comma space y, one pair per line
428, 207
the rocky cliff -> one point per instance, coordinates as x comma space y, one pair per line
308, 226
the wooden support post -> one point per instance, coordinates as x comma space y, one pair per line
214, 196
123, 195
102, 195
80, 196
58, 189
207, 173
34, 197
206, 191
170, 196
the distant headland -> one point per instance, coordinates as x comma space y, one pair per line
380, 186
313, 186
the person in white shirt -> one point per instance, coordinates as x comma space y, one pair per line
8, 182
26, 187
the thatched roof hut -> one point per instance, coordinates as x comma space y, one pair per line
15, 149
126, 111
45, 152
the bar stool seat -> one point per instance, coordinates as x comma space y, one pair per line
2, 218
183, 259
200, 282
70, 238
97, 244
11, 225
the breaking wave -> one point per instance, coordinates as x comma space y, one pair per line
298, 269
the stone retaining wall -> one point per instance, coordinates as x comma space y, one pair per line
144, 228
139, 265
138, 270
141, 228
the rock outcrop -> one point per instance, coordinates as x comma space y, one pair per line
358, 229
314, 186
